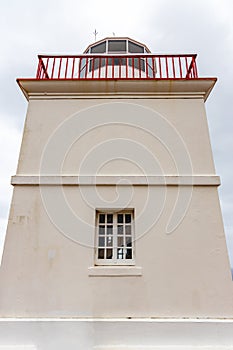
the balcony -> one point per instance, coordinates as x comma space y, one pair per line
112, 75
117, 66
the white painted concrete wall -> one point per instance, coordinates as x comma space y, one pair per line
182, 267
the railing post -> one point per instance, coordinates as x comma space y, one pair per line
191, 70
72, 72
106, 69
181, 74
160, 68
42, 70
173, 67
66, 67
195, 68
38, 73
59, 70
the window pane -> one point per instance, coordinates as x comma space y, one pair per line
99, 48
109, 254
116, 45
120, 241
142, 65
151, 67
110, 218
134, 48
128, 229
101, 218
100, 253
109, 241
101, 230
119, 61
120, 229
98, 63
83, 67
116, 61
137, 64
120, 253
120, 218
127, 218
128, 242
101, 241
129, 254
109, 230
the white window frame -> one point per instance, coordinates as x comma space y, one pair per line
115, 259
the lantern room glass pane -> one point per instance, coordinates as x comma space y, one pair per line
116, 45
135, 48
96, 63
137, 63
99, 48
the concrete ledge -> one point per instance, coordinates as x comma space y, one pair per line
102, 271
124, 180
110, 88
117, 334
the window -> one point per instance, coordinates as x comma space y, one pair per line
114, 238
99, 48
116, 45
98, 63
135, 48
137, 63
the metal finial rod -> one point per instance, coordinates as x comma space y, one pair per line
95, 34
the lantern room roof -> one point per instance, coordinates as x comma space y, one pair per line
117, 45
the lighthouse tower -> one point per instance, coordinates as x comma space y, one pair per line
115, 236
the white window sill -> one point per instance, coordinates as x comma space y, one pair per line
102, 271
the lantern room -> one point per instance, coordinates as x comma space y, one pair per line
117, 45
114, 64
117, 58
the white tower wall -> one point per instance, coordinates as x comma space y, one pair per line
151, 152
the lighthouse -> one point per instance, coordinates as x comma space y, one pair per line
115, 236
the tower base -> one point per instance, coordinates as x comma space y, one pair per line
116, 334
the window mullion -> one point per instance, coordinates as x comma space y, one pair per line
105, 238
115, 237
124, 238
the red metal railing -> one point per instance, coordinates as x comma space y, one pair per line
136, 66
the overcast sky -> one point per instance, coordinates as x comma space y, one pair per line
31, 27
